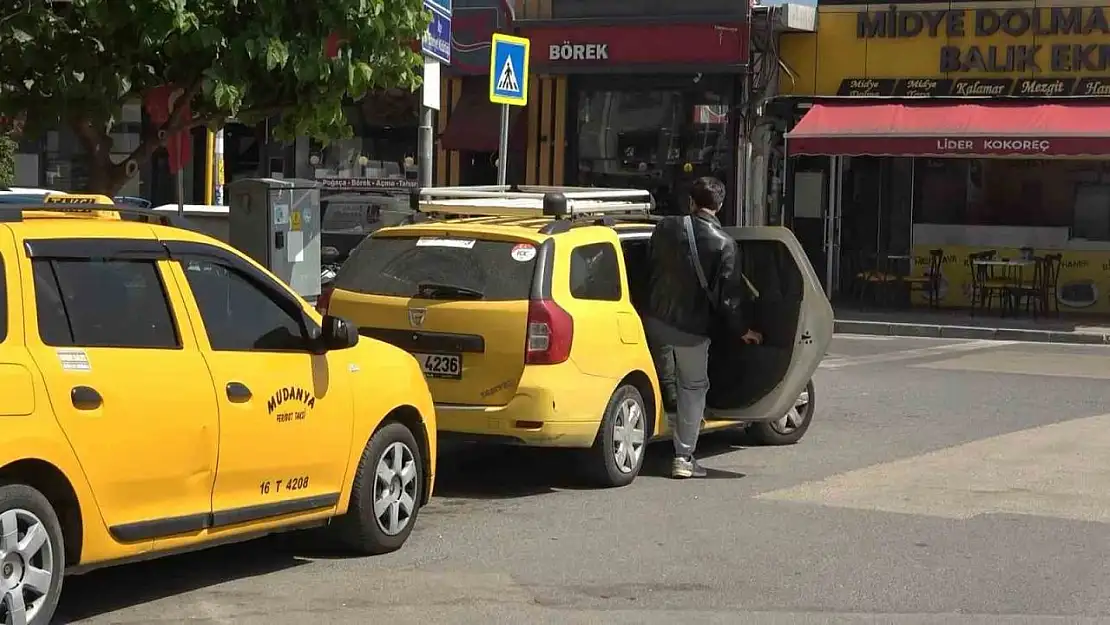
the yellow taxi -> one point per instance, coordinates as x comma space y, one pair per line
163, 392
522, 306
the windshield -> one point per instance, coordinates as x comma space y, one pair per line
440, 268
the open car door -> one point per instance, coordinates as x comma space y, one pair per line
761, 383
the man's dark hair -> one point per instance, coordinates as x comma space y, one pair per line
707, 193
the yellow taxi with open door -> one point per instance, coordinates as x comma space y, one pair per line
522, 306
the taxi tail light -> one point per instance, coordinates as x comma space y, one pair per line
324, 300
550, 333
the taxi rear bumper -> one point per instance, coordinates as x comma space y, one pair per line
555, 406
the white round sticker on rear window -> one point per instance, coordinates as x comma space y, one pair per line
523, 252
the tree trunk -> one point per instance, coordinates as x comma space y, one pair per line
105, 177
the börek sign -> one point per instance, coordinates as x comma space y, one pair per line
568, 51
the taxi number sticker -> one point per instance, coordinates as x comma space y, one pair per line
465, 244
523, 252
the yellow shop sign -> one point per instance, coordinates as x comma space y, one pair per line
1058, 56
1003, 49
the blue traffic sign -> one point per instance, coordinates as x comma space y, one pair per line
443, 7
508, 70
436, 43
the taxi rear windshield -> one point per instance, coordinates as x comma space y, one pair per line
449, 268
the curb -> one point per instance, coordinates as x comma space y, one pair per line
921, 330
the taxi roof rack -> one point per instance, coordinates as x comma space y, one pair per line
13, 212
531, 201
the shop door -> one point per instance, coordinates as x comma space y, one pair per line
832, 223
896, 221
808, 191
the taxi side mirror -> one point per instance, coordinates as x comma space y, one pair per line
337, 333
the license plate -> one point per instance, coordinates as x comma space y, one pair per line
441, 365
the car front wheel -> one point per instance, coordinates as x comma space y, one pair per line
386, 494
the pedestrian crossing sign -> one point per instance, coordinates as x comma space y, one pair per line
508, 70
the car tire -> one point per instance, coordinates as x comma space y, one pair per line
790, 428
32, 572
378, 519
618, 451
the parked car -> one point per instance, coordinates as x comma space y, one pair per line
523, 308
163, 392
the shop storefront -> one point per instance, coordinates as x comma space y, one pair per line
614, 99
963, 128
634, 115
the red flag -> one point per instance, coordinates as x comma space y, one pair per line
160, 102
332, 43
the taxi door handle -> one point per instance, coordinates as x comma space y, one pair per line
85, 398
238, 392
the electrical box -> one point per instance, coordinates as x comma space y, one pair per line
277, 223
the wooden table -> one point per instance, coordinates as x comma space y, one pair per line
1013, 270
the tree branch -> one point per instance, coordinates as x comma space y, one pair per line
156, 138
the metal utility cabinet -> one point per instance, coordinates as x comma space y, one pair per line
277, 223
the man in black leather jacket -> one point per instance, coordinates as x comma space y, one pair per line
681, 312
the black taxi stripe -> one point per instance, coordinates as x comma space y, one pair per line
172, 526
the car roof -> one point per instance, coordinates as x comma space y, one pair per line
524, 211
72, 216
527, 228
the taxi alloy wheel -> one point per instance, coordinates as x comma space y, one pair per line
618, 451
31, 557
628, 435
395, 488
790, 428
386, 493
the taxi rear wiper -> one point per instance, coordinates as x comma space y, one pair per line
436, 290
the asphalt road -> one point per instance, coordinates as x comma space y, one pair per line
949, 482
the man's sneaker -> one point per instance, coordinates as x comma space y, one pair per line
684, 467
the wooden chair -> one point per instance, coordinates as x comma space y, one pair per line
979, 275
929, 283
1033, 291
1000, 282
873, 278
1049, 300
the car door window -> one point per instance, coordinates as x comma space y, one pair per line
238, 314
102, 303
594, 272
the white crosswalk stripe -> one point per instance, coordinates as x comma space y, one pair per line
841, 362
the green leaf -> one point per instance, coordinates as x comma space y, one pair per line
276, 54
253, 58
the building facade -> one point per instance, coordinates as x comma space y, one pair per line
616, 98
963, 127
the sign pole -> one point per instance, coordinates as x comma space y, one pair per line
180, 179
503, 147
508, 86
436, 46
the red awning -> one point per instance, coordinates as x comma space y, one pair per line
475, 125
1022, 129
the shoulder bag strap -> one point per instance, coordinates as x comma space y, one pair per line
688, 224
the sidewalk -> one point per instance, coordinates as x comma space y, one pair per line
958, 324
